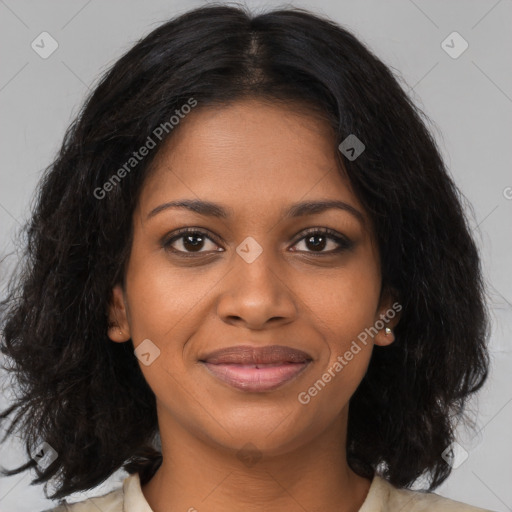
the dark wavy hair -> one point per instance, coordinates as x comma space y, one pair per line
87, 396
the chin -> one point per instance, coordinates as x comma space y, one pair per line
268, 435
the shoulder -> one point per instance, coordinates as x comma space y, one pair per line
127, 498
384, 497
110, 502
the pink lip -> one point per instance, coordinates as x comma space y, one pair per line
252, 368
253, 378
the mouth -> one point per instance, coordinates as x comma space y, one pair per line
256, 369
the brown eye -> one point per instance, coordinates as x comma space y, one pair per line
316, 240
189, 241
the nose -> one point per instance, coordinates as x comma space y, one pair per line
256, 294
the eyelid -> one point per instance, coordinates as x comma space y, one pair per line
331, 233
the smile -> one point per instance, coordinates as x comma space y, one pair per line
256, 377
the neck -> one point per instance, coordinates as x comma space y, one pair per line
197, 474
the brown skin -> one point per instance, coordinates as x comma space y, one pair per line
256, 158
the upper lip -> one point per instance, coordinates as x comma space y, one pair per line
246, 354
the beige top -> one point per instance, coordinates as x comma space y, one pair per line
381, 497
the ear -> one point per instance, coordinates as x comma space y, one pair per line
387, 316
119, 328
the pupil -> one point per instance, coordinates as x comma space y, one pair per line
320, 245
188, 240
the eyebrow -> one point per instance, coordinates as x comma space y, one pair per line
295, 210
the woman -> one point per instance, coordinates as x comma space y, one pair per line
244, 281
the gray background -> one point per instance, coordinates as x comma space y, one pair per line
469, 100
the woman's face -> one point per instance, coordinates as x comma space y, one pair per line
255, 277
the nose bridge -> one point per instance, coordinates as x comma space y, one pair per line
256, 266
256, 290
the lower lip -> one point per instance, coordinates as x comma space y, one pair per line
249, 378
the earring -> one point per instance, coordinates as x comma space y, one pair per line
388, 331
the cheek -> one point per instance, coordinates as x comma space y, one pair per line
343, 301
343, 307
162, 298
161, 309
341, 316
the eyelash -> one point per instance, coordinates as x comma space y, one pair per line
343, 242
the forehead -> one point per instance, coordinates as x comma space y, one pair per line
248, 154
